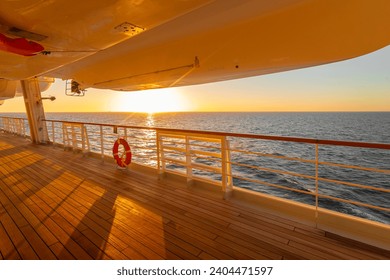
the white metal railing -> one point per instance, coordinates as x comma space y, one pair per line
321, 173
99, 139
187, 151
17, 126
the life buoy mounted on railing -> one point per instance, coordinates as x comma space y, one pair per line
125, 159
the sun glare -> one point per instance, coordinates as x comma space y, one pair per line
150, 101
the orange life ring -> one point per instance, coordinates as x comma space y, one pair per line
125, 159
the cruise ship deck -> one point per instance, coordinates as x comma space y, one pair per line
56, 204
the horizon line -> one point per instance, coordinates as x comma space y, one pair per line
372, 111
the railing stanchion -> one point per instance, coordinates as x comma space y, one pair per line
23, 129
188, 162
227, 186
53, 133
160, 155
317, 162
82, 138
64, 134
101, 141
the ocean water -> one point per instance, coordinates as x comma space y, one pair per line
351, 126
366, 127
360, 127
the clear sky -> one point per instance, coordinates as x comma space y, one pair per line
360, 84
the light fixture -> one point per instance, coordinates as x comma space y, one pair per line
51, 98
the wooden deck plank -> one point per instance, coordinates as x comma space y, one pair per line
54, 227
34, 217
44, 223
39, 246
18, 239
64, 205
61, 252
204, 244
7, 248
64, 235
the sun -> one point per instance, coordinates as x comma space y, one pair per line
150, 101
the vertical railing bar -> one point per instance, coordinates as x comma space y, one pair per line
101, 141
316, 183
161, 153
87, 139
16, 127
53, 133
229, 166
28, 127
223, 170
82, 138
12, 127
158, 153
21, 127
188, 160
226, 168
163, 162
155, 135
63, 135
72, 133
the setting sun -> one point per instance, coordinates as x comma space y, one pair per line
151, 101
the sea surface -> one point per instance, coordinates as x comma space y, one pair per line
359, 126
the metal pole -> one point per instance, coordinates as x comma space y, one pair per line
188, 161
53, 132
225, 154
102, 142
317, 160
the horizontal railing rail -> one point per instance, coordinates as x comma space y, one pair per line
325, 174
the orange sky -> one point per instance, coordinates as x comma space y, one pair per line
361, 84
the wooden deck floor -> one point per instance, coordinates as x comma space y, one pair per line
61, 205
